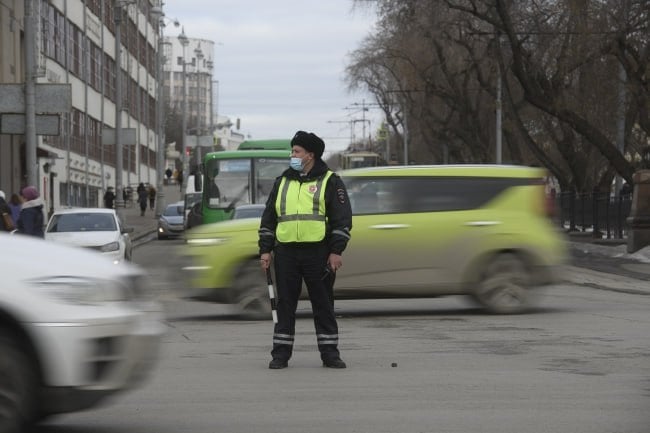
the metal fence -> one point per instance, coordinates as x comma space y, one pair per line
601, 214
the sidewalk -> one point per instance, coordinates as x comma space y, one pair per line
148, 224
618, 281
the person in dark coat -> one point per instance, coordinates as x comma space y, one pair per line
152, 196
306, 225
109, 198
142, 198
179, 179
15, 204
31, 219
7, 222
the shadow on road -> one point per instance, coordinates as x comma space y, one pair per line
437, 314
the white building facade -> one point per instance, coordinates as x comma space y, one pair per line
75, 44
196, 60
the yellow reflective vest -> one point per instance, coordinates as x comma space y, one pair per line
300, 207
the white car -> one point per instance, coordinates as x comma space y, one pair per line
94, 228
74, 329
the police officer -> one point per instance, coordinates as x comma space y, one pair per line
306, 223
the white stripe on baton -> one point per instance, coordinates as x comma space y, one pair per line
269, 280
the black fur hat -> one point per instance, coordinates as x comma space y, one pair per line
310, 142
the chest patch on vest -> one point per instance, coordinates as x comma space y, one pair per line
313, 189
340, 193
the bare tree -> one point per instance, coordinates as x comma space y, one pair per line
435, 63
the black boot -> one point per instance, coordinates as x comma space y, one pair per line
277, 364
334, 363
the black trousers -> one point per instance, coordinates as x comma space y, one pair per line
293, 265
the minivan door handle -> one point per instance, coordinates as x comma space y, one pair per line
482, 223
390, 226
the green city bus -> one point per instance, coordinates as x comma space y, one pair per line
235, 177
274, 144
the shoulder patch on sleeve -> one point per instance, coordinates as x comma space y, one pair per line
340, 194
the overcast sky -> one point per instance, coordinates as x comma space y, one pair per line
280, 64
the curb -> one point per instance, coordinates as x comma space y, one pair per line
604, 281
612, 250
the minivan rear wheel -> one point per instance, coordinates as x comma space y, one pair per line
17, 386
251, 292
503, 286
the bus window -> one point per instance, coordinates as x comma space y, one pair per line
227, 180
266, 170
239, 177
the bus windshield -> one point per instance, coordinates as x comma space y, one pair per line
236, 181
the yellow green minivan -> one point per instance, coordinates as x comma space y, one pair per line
418, 232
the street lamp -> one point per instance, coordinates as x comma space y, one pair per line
210, 66
199, 113
158, 15
184, 42
119, 202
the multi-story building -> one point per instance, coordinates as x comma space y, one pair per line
75, 44
202, 90
12, 156
195, 58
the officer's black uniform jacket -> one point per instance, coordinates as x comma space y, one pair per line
337, 210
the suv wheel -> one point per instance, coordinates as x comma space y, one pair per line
251, 292
502, 287
17, 386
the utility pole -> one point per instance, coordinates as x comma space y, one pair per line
119, 199
199, 112
157, 14
499, 132
350, 123
184, 42
30, 95
365, 106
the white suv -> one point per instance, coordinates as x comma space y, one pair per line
73, 329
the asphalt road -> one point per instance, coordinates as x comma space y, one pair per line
578, 363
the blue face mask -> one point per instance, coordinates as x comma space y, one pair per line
296, 164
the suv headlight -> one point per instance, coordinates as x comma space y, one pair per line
200, 242
81, 291
113, 246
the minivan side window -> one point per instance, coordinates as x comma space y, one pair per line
424, 194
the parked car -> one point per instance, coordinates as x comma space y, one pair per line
73, 329
248, 211
170, 223
418, 231
97, 229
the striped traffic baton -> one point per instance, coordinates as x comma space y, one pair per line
269, 280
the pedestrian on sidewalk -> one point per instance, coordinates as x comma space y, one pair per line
109, 198
152, 196
32, 216
15, 204
7, 223
179, 179
142, 198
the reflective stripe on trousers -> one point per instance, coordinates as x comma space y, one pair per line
327, 339
283, 339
